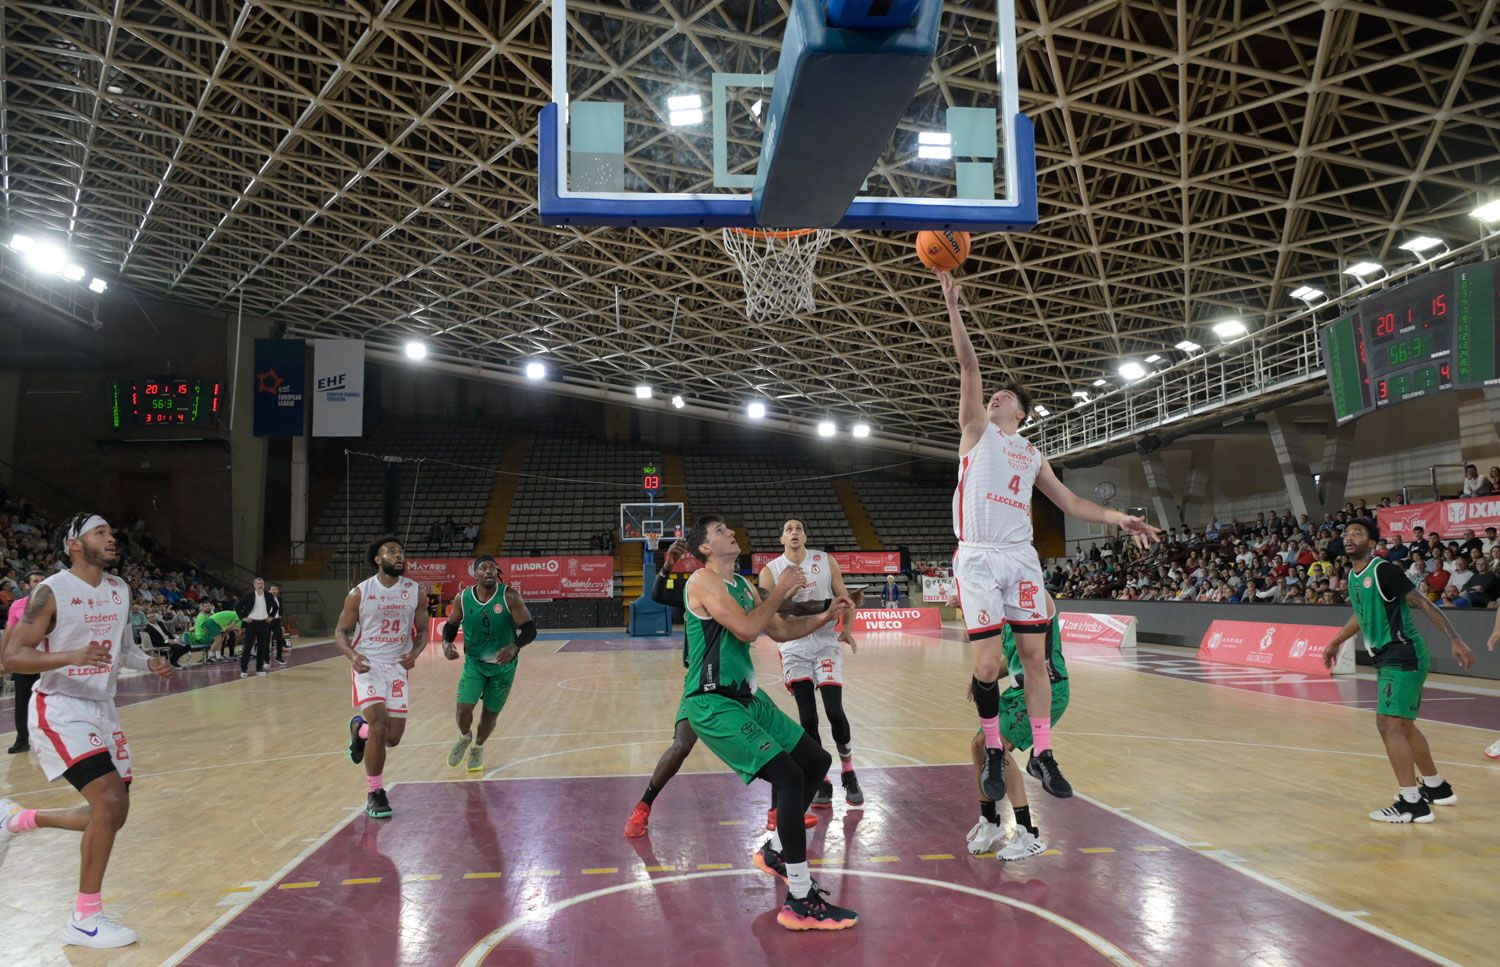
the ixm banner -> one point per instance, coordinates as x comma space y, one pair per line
1297, 648
1446, 518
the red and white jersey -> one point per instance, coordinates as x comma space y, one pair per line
992, 503
818, 587
86, 614
386, 631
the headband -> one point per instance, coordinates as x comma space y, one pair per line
89, 523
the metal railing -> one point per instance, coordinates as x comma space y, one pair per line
1274, 359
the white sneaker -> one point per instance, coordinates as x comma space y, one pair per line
8, 808
262, 674
984, 836
1022, 845
96, 931
1493, 751
244, 674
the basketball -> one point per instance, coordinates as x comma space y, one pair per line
943, 250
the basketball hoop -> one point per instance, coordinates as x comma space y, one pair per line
652, 538
777, 268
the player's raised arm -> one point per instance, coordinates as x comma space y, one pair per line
1081, 508
972, 418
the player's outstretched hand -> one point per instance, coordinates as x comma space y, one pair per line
675, 553
1140, 530
96, 655
1462, 654
159, 667
360, 662
1331, 654
791, 581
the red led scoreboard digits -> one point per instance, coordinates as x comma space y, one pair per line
155, 401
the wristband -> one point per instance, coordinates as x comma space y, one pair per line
450, 633
525, 635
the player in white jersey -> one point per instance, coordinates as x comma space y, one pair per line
815, 664
75, 633
996, 569
377, 632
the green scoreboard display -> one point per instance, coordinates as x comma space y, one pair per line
1434, 333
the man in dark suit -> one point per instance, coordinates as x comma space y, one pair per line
255, 610
278, 632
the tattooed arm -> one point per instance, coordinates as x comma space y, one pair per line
21, 651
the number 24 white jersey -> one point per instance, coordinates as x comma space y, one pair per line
386, 628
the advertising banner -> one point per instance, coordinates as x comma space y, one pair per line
938, 590
537, 578
850, 562
338, 387
908, 621
1446, 518
1297, 648
1109, 630
280, 387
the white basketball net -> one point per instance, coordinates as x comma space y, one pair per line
777, 268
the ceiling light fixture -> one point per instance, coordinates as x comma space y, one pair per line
1230, 329
1132, 370
643, 392
1307, 293
416, 349
756, 410
827, 429
1187, 346
535, 370
1361, 269
678, 402
860, 430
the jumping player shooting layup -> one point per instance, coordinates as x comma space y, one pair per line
1015, 728
496, 628
1381, 595
816, 663
740, 723
76, 634
996, 568
384, 609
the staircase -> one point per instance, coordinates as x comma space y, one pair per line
859, 521
497, 512
629, 559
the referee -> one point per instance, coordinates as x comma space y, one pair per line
256, 611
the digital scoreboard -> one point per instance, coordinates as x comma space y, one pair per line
165, 401
1434, 333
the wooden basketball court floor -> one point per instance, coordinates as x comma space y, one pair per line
1221, 820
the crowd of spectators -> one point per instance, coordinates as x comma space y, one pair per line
1277, 559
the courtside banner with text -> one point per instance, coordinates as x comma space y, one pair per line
338, 387
1446, 518
850, 562
906, 621
537, 578
938, 590
1109, 630
1297, 648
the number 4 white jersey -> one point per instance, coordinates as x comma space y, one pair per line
992, 504
386, 631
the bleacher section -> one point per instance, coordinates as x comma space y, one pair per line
753, 488
561, 514
917, 514
442, 491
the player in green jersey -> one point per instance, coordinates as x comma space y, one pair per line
208, 632
1382, 597
496, 626
1015, 734
740, 723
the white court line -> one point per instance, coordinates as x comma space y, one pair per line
1266, 745
203, 936
481, 950
619, 745
1362, 674
1292, 892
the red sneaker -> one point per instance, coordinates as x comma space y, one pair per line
640, 817
808, 821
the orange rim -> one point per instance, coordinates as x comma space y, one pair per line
775, 232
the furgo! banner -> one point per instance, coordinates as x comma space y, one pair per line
537, 578
1109, 630
1297, 648
280, 387
1446, 518
850, 562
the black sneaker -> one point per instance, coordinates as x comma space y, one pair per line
814, 912
992, 774
768, 860
377, 806
356, 744
1044, 767
1441, 794
19, 746
1402, 811
823, 798
852, 792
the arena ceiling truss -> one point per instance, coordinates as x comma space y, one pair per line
358, 169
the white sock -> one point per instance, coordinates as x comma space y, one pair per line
776, 840
466, 735
798, 880
1432, 781
1410, 794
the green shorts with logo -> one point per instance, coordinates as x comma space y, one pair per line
745, 737
1400, 690
1015, 724
486, 680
